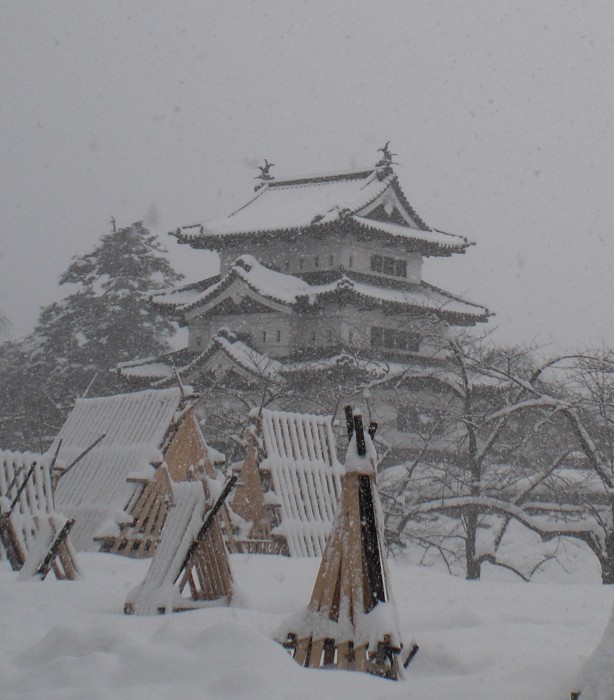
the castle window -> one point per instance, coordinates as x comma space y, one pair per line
278, 336
351, 261
316, 262
264, 336
331, 260
300, 263
313, 337
394, 339
350, 336
389, 266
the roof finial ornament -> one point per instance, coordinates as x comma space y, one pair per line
385, 163
265, 175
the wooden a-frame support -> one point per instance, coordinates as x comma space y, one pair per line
351, 590
140, 537
249, 504
186, 557
185, 459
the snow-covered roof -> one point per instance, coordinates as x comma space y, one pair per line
295, 204
235, 353
291, 290
306, 476
134, 428
184, 295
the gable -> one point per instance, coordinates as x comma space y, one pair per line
220, 366
388, 208
237, 297
240, 305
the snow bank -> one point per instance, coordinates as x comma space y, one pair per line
481, 640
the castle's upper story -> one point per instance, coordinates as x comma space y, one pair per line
306, 226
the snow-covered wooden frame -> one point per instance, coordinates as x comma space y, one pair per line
191, 555
289, 484
34, 537
185, 457
351, 622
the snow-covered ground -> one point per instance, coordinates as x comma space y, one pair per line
495, 639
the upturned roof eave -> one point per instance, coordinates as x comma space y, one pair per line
218, 241
320, 300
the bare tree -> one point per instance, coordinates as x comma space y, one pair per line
497, 456
583, 394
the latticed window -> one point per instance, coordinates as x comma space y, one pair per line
394, 339
389, 266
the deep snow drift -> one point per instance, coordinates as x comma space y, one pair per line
481, 640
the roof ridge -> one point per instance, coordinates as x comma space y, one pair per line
321, 178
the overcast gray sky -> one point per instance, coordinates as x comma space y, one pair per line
501, 114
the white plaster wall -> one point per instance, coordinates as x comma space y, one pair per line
308, 255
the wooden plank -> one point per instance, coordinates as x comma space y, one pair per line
302, 649
343, 655
8, 536
209, 519
360, 658
43, 568
315, 655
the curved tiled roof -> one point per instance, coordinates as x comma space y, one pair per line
283, 206
291, 290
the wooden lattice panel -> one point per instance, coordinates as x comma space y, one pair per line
34, 537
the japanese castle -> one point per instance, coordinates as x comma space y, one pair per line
320, 276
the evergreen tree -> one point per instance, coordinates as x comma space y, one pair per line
105, 319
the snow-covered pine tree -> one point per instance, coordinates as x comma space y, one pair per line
105, 319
